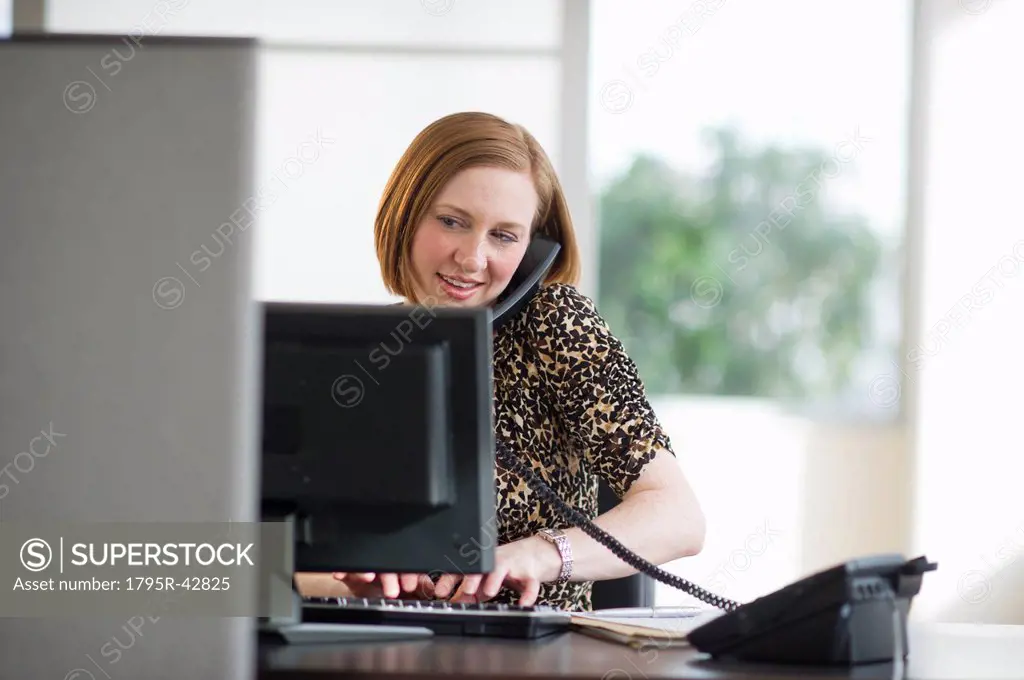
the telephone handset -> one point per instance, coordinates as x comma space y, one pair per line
539, 258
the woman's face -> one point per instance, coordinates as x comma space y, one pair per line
472, 239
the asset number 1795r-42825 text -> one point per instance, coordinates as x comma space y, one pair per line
170, 583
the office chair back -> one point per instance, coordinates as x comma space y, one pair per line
631, 591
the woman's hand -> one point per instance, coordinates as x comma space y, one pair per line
521, 565
391, 586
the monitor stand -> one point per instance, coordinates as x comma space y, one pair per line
278, 593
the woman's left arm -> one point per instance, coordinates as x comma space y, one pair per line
658, 519
602, 402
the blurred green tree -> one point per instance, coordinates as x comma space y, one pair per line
741, 282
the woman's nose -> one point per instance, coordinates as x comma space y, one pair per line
473, 260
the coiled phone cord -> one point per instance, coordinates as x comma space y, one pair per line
578, 519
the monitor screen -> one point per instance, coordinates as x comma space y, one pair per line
377, 435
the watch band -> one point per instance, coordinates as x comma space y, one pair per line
561, 541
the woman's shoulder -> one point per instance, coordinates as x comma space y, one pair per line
562, 320
559, 301
557, 318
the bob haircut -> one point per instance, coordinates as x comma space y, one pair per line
439, 152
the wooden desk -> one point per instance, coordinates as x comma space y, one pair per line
937, 651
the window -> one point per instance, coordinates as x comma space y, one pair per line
343, 89
749, 159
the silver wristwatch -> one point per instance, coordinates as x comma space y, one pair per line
561, 541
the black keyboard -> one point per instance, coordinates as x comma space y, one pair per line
486, 619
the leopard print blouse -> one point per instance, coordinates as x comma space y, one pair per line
568, 401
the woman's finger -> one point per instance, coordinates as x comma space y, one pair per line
359, 578
425, 587
445, 585
389, 584
409, 582
492, 584
468, 588
530, 593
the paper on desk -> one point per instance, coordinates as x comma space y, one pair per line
640, 632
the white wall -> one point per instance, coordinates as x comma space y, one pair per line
746, 461
965, 363
317, 240
784, 496
856, 493
400, 23
6, 16
363, 77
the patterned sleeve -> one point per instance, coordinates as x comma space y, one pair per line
594, 386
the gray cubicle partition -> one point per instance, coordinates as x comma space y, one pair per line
127, 328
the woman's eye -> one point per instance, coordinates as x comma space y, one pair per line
448, 221
506, 237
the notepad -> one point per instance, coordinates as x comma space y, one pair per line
640, 632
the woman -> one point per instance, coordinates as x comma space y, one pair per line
453, 225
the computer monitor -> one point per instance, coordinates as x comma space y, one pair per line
378, 436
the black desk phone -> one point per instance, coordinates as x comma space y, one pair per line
849, 614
